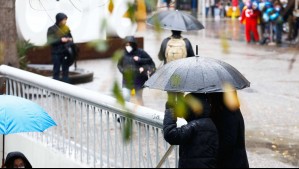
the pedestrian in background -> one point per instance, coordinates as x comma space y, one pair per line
251, 18
16, 160
136, 67
174, 48
59, 37
231, 129
198, 140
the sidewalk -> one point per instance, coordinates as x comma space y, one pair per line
270, 106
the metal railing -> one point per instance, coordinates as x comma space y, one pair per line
90, 125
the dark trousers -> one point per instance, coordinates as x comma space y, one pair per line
279, 31
296, 28
58, 62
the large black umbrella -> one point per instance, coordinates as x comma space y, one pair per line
197, 75
175, 20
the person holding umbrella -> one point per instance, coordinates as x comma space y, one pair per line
195, 75
18, 115
198, 139
175, 47
231, 129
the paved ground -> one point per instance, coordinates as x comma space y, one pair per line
270, 106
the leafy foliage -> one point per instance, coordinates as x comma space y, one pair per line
22, 49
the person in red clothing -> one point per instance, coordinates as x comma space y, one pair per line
250, 17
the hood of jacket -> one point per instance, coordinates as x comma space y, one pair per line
11, 157
132, 41
60, 17
202, 99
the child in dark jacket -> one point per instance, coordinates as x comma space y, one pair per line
198, 139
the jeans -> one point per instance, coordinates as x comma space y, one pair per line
58, 62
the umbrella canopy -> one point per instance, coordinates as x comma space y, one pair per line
197, 75
175, 20
18, 115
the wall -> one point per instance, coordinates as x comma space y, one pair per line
42, 55
39, 155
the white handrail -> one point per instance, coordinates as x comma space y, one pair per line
88, 122
142, 114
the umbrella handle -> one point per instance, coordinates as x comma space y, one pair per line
165, 156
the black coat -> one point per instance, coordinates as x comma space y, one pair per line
162, 53
232, 149
11, 157
54, 36
132, 78
198, 140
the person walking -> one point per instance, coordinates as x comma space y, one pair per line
231, 129
136, 67
198, 140
251, 18
60, 38
174, 48
16, 160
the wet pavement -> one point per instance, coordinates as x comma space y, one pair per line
270, 107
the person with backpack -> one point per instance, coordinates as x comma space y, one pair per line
61, 40
174, 48
136, 67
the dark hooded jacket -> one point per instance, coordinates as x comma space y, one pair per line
55, 33
132, 78
11, 157
231, 129
176, 34
198, 139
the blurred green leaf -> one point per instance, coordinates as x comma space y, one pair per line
22, 49
132, 8
117, 56
181, 107
104, 25
128, 128
99, 45
176, 81
118, 94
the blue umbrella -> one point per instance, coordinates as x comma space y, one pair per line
18, 115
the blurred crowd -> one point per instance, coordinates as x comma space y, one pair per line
274, 17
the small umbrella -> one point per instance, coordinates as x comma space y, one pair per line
197, 75
18, 115
175, 20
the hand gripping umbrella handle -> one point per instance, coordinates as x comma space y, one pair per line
169, 151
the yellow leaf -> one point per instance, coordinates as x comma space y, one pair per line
231, 99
